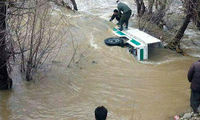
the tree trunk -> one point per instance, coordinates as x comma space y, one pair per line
140, 7
198, 25
198, 21
150, 7
5, 81
175, 44
163, 5
74, 5
143, 8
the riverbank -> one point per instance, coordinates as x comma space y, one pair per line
187, 116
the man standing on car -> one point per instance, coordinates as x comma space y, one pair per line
194, 78
125, 13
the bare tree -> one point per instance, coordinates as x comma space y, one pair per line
5, 80
34, 34
140, 7
192, 11
150, 6
149, 15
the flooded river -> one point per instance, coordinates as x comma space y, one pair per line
100, 75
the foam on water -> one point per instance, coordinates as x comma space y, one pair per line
92, 42
87, 5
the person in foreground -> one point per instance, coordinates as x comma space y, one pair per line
194, 78
115, 15
125, 13
101, 113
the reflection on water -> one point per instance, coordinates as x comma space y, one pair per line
5, 110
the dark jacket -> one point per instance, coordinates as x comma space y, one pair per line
123, 8
115, 16
194, 76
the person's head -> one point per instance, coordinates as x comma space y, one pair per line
115, 12
117, 1
101, 113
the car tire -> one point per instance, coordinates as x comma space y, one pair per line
114, 41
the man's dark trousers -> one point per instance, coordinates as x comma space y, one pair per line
195, 100
125, 18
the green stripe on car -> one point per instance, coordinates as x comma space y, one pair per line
118, 32
135, 42
141, 54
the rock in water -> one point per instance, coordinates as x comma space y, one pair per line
94, 62
187, 116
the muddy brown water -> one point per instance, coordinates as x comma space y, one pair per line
156, 89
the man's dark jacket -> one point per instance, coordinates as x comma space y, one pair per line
115, 16
194, 76
123, 8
